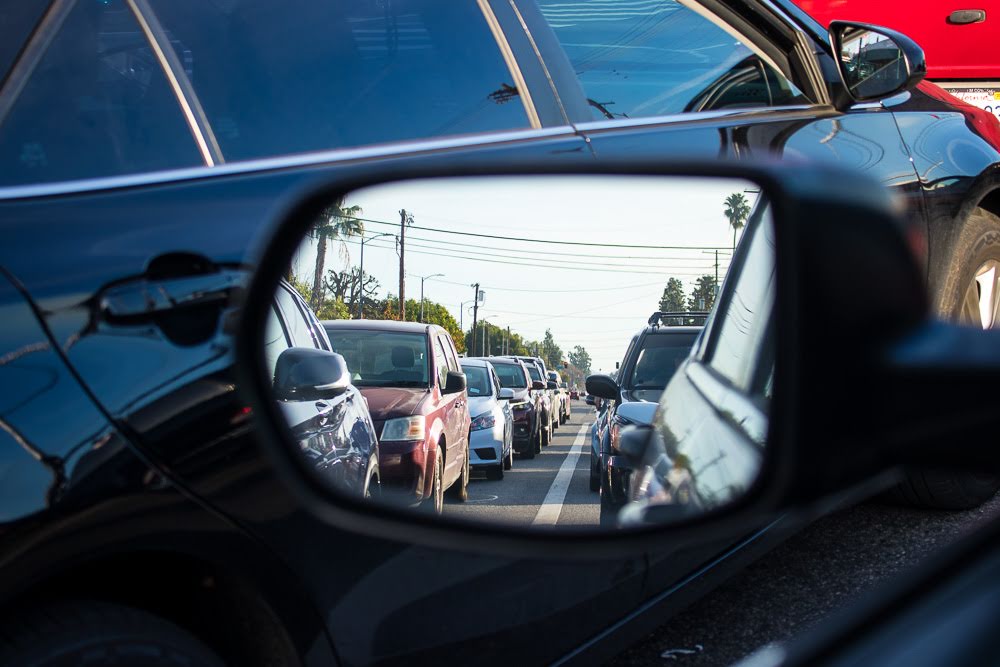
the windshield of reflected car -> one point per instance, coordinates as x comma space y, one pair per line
477, 381
382, 358
659, 359
511, 376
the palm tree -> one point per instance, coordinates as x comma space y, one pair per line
335, 222
737, 210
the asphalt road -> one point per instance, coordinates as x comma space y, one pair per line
551, 490
825, 567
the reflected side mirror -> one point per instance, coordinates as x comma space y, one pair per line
551, 385
506, 394
537, 385
309, 374
455, 383
603, 386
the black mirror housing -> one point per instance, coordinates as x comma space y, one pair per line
455, 383
310, 374
551, 385
537, 385
875, 62
602, 386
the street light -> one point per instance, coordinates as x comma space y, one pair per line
361, 283
422, 279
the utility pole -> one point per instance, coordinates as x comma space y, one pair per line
422, 279
404, 220
475, 314
361, 285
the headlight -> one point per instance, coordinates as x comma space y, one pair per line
404, 428
483, 421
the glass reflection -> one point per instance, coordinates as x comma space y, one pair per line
523, 350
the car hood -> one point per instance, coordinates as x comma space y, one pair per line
389, 402
638, 412
480, 404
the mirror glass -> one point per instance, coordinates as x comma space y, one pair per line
872, 64
546, 364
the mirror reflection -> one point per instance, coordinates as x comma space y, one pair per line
531, 350
872, 63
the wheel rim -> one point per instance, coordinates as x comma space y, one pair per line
981, 305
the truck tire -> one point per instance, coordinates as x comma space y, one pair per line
89, 632
955, 296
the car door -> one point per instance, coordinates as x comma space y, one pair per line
455, 412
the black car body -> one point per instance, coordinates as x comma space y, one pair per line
651, 360
335, 431
147, 149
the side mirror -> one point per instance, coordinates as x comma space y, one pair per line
875, 62
589, 400
603, 386
309, 374
537, 385
455, 383
506, 394
551, 385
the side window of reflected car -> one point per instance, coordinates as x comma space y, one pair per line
298, 328
665, 59
275, 340
441, 362
740, 340
96, 104
277, 77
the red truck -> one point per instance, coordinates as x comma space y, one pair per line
959, 37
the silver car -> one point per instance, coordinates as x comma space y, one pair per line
491, 439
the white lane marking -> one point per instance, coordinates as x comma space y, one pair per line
548, 513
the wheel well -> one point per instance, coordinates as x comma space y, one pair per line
991, 202
185, 591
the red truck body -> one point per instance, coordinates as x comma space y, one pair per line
963, 58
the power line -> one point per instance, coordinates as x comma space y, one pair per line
578, 243
589, 269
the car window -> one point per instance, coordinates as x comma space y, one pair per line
97, 104
285, 77
663, 59
658, 359
477, 380
450, 355
275, 341
441, 362
298, 329
382, 358
741, 328
511, 376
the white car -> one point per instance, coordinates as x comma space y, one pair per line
491, 438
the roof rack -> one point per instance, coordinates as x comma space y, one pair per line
678, 318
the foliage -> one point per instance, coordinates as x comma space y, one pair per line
673, 300
580, 358
346, 286
737, 211
551, 353
334, 309
335, 222
703, 295
434, 313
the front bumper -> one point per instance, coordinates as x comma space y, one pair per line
486, 447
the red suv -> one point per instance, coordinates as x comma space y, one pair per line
959, 39
410, 376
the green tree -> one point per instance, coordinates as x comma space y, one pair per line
580, 358
737, 210
336, 222
434, 313
551, 353
703, 295
673, 300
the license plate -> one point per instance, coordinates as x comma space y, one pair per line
987, 99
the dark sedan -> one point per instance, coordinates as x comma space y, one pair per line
147, 148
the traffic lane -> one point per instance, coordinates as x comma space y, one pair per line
519, 496
825, 567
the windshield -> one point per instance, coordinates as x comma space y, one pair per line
477, 381
382, 358
659, 359
511, 376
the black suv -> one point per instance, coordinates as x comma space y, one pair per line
650, 361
